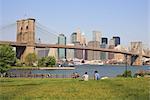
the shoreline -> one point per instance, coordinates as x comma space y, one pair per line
45, 68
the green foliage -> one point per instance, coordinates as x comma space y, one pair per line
127, 73
47, 61
7, 57
4, 67
50, 61
42, 62
18, 63
30, 59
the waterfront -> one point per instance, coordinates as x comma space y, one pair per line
109, 71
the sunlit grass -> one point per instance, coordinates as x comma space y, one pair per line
74, 89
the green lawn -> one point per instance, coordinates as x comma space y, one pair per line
73, 89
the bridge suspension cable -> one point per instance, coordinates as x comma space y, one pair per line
3, 28
8, 32
47, 29
48, 36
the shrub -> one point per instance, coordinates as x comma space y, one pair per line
18, 63
30, 59
42, 62
127, 73
47, 61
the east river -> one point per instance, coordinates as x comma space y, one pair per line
109, 71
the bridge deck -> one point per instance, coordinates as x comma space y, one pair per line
15, 44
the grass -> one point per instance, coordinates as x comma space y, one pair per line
73, 89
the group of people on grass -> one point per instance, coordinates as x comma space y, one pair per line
85, 77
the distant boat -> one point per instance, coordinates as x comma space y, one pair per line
70, 64
77, 62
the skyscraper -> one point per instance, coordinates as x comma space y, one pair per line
83, 40
93, 55
111, 46
117, 40
104, 40
61, 41
78, 40
70, 52
112, 42
78, 37
104, 55
78, 53
74, 37
97, 36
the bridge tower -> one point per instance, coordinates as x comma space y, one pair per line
25, 34
136, 47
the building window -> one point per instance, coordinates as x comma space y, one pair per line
21, 28
26, 27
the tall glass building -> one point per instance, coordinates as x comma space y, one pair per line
117, 40
73, 37
104, 40
61, 51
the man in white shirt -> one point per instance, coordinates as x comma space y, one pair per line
85, 77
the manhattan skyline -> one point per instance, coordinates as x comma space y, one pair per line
124, 18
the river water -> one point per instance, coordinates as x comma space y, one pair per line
109, 71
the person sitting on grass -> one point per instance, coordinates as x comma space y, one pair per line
75, 75
85, 77
96, 75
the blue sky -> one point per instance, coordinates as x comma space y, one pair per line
129, 19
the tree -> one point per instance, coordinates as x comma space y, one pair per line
47, 61
50, 61
41, 62
30, 59
7, 57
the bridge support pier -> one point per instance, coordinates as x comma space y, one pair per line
22, 52
134, 60
137, 60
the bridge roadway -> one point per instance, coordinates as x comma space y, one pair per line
39, 45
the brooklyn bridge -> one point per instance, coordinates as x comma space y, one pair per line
26, 42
